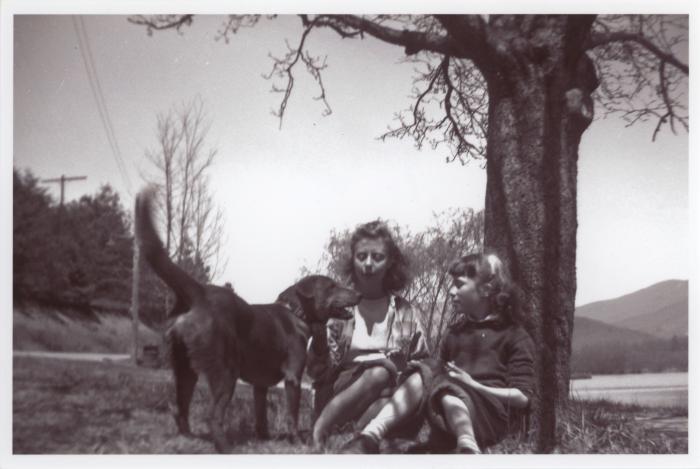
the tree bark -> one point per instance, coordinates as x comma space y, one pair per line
539, 106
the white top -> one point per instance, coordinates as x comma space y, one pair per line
366, 345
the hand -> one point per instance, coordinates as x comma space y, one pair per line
397, 357
457, 373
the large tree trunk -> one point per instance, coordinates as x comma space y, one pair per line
539, 106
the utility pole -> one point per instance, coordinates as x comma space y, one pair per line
135, 275
62, 180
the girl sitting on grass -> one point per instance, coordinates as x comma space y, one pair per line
364, 355
485, 368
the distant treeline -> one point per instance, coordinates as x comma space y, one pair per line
78, 255
616, 358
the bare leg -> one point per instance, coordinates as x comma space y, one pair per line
459, 421
260, 397
403, 403
351, 402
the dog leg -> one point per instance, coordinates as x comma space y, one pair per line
292, 389
185, 381
260, 395
221, 384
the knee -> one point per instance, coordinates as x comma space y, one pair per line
377, 377
450, 401
455, 410
414, 382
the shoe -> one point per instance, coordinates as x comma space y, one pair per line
360, 444
437, 443
466, 450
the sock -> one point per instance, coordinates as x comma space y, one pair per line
468, 441
379, 425
404, 401
458, 419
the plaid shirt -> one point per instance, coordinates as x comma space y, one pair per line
403, 325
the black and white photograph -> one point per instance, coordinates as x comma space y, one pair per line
443, 236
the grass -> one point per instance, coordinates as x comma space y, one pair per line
69, 407
71, 331
604, 427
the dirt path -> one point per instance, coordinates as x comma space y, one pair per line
93, 357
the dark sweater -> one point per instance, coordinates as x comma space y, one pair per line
493, 353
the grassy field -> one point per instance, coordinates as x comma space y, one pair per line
36, 328
69, 407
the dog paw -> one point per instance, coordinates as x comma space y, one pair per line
183, 426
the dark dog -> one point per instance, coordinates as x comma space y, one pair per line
217, 334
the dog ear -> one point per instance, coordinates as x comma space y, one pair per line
305, 290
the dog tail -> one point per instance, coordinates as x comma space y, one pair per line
186, 288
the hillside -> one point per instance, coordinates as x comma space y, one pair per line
664, 323
593, 333
39, 328
601, 348
660, 310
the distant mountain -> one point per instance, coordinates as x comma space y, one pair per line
664, 323
600, 348
590, 333
660, 310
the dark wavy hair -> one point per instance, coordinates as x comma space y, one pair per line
494, 281
397, 275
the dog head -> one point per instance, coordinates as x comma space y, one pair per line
321, 298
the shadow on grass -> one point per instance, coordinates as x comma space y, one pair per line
68, 407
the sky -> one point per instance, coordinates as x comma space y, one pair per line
282, 191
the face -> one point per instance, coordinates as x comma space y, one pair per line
322, 298
465, 293
371, 260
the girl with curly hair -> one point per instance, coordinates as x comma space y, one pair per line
483, 374
364, 355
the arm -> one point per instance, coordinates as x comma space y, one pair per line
512, 397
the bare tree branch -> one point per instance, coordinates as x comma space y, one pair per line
413, 128
412, 41
599, 39
284, 67
234, 23
637, 82
161, 22
194, 229
456, 132
450, 107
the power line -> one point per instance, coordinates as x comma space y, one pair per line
110, 127
98, 95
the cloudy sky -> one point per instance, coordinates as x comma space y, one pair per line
284, 190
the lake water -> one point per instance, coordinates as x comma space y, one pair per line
651, 389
